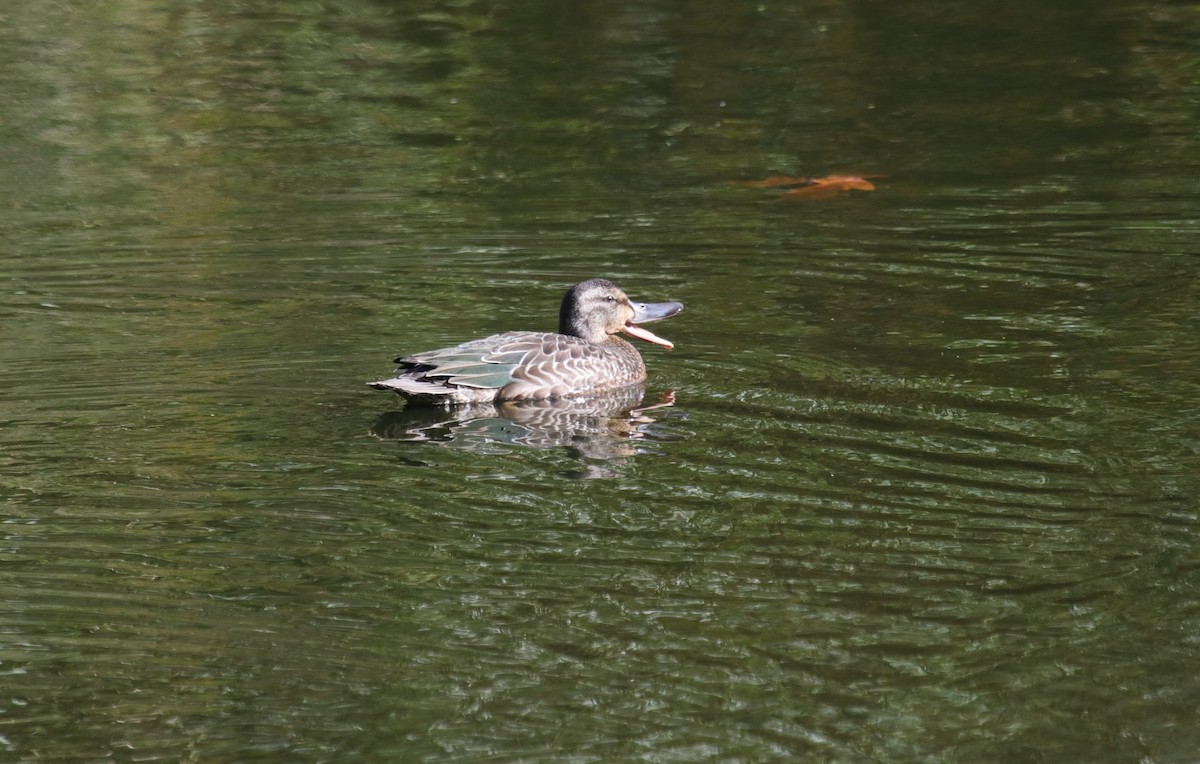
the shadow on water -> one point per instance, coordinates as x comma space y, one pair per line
594, 429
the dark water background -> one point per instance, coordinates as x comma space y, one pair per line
927, 491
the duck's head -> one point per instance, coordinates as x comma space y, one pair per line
595, 310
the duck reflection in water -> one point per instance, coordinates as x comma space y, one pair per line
601, 427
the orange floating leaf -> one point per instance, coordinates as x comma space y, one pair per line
812, 188
832, 185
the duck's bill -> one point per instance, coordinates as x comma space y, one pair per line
644, 312
642, 334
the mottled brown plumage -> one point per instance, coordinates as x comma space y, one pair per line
585, 356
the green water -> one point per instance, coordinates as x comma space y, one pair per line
926, 492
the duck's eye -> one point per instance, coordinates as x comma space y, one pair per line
610, 298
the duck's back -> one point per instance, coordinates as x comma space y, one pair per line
516, 366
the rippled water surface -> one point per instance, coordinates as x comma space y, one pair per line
918, 482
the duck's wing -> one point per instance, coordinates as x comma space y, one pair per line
488, 363
513, 366
520, 364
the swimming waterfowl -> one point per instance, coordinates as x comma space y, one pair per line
585, 356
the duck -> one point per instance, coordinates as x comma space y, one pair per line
584, 357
